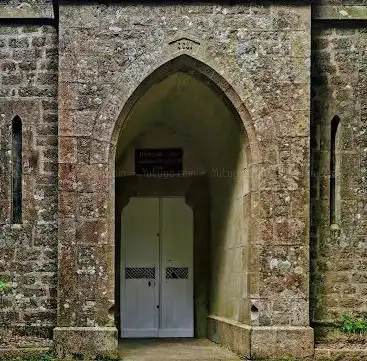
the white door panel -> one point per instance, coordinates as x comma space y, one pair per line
157, 268
140, 268
176, 268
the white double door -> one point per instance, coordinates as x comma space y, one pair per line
157, 268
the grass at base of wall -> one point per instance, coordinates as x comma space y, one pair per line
26, 355
29, 355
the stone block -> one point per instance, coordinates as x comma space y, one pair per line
280, 342
86, 341
232, 334
67, 150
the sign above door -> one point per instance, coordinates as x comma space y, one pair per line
156, 161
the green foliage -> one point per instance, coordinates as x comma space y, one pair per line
47, 356
352, 324
4, 287
106, 358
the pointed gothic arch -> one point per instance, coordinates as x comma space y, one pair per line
109, 121
120, 118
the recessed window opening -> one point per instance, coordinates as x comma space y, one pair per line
334, 166
17, 170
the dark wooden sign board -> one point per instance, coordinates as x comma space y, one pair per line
155, 161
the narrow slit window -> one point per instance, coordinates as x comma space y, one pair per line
334, 166
17, 170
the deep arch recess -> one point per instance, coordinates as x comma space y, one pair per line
111, 122
115, 110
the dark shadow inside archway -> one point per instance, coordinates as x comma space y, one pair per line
182, 109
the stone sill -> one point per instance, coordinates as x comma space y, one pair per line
26, 11
340, 12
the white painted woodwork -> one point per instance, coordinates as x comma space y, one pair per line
140, 248
158, 233
176, 234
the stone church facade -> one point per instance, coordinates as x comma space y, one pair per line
268, 103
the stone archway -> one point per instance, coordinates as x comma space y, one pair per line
185, 104
87, 241
95, 237
223, 312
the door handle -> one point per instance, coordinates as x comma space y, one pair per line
149, 283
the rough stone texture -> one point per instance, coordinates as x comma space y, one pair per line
26, 9
138, 40
258, 56
339, 2
94, 342
279, 342
28, 252
339, 256
234, 335
340, 12
328, 354
101, 64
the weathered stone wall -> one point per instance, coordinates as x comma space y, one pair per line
28, 252
26, 9
339, 251
106, 52
263, 52
340, 2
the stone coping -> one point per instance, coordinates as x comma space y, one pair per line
340, 12
262, 342
30, 10
26, 10
230, 322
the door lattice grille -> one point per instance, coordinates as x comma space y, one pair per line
177, 273
139, 273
